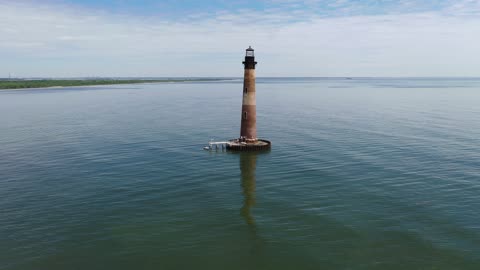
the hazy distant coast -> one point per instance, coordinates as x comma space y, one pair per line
44, 83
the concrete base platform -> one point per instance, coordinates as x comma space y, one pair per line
258, 145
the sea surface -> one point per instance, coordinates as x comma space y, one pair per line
364, 173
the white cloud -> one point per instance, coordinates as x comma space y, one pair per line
42, 40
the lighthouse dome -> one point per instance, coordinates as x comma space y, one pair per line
249, 52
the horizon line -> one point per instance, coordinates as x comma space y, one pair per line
234, 77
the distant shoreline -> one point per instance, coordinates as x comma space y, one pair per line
51, 83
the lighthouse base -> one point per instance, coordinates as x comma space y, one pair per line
258, 145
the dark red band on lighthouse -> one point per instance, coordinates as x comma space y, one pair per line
249, 122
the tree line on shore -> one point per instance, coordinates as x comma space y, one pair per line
43, 83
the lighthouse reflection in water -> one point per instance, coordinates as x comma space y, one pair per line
248, 165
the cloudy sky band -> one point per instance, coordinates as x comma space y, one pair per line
331, 38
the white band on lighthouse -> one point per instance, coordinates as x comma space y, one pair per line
249, 99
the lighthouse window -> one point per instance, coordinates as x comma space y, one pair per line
246, 90
245, 115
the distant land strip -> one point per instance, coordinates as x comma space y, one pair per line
44, 83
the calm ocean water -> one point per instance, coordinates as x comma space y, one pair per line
363, 174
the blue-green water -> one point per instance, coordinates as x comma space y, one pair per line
363, 174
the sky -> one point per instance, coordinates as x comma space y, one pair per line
200, 38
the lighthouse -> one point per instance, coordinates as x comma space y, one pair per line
248, 140
248, 129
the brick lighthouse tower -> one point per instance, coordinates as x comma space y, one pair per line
248, 130
248, 140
